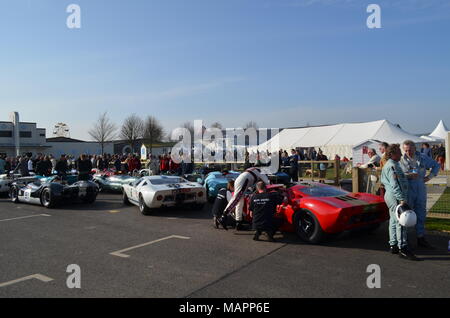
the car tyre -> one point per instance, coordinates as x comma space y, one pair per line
47, 199
145, 210
100, 186
307, 227
14, 194
125, 199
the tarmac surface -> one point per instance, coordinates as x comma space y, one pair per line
178, 253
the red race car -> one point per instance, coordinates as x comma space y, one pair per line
315, 209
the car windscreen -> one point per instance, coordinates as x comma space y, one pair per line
167, 181
321, 191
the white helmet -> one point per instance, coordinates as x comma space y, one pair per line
405, 216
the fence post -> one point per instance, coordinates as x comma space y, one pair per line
356, 179
447, 155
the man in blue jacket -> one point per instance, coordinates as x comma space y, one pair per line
415, 166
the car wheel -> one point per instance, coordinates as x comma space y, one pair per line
99, 185
46, 198
125, 199
145, 210
90, 198
307, 227
14, 194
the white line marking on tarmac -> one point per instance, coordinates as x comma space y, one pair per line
120, 253
40, 277
24, 217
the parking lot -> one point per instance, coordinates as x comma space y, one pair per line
177, 253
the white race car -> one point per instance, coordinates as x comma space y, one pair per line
6, 181
154, 192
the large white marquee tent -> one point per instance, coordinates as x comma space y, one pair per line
337, 139
439, 133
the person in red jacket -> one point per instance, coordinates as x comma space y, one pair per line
165, 163
132, 163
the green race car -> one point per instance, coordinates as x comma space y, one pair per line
112, 183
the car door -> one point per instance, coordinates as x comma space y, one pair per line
133, 195
139, 187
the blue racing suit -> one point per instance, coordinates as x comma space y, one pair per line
417, 193
396, 185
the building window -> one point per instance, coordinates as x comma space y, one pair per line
5, 133
25, 134
42, 135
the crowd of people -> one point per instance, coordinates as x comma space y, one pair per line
46, 165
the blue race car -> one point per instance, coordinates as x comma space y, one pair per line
217, 180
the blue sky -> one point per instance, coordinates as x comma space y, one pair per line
280, 63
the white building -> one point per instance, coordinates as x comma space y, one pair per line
73, 147
17, 138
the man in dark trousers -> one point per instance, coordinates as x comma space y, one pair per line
62, 167
293, 162
223, 196
84, 168
263, 205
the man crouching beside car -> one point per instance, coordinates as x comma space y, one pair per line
263, 205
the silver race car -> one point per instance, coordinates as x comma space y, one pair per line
154, 192
52, 193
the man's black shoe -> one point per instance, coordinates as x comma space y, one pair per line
239, 226
270, 237
223, 222
394, 249
216, 222
256, 237
422, 242
407, 254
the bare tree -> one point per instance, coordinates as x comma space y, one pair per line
251, 124
153, 131
217, 125
132, 129
189, 126
103, 131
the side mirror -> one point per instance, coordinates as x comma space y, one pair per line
199, 180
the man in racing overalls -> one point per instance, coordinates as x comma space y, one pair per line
415, 165
245, 180
396, 192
